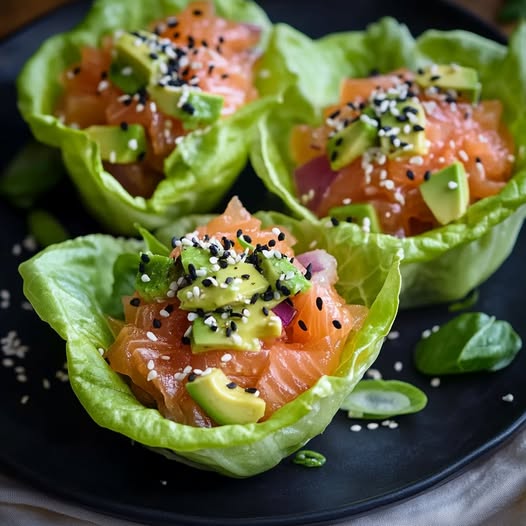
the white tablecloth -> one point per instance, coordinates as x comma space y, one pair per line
490, 492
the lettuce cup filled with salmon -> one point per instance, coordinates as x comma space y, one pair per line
400, 143
228, 349
150, 104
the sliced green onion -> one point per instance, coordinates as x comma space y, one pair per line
309, 458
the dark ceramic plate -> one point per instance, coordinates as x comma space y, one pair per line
52, 443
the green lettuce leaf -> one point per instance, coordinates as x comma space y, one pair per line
72, 288
198, 172
443, 264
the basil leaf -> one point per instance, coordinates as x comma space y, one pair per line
473, 341
379, 399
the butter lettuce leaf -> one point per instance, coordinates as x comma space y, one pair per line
446, 263
198, 173
72, 287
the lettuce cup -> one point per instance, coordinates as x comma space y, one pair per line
150, 104
228, 350
406, 144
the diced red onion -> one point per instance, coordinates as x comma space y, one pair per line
285, 311
313, 180
322, 265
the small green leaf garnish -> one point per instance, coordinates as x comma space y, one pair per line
152, 242
34, 170
379, 399
469, 342
45, 228
466, 302
309, 458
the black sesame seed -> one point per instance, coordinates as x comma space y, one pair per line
272, 243
153, 56
265, 311
228, 332
245, 276
478, 160
104, 75
76, 70
135, 302
427, 175
225, 75
251, 390
254, 298
141, 268
229, 280
185, 340
308, 272
334, 155
192, 377
192, 271
211, 68
281, 236
434, 78
176, 34
197, 12
169, 308
334, 114
336, 324
233, 325
222, 263
302, 325
172, 22
248, 239
207, 282
418, 128
141, 156
319, 303
285, 290
334, 221
124, 126
188, 108
410, 175
156, 323
231, 385
239, 232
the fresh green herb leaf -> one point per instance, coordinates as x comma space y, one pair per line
152, 242
309, 458
465, 303
45, 228
379, 399
512, 10
35, 169
470, 342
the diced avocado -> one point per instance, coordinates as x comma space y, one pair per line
226, 286
119, 144
238, 330
446, 193
463, 80
363, 214
189, 104
155, 275
197, 257
349, 143
281, 271
404, 133
223, 401
138, 59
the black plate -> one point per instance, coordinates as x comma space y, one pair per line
52, 443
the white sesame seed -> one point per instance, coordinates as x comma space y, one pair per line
398, 366
508, 398
372, 425
452, 185
165, 357
152, 375
8, 362
199, 372
393, 335
133, 144
375, 374
192, 316
150, 365
463, 155
393, 425
103, 85
145, 278
356, 428
435, 328
426, 333
24, 399
416, 160
22, 378
151, 336
16, 250
226, 357
187, 369
164, 313
46, 384
435, 382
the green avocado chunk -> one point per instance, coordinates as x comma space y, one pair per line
350, 143
446, 193
137, 60
239, 329
224, 401
119, 144
363, 214
283, 275
465, 81
156, 274
402, 133
189, 104
226, 286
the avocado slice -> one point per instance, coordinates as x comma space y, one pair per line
446, 193
283, 275
363, 214
196, 257
404, 133
189, 104
224, 401
226, 286
239, 329
350, 143
156, 273
138, 59
451, 76
119, 144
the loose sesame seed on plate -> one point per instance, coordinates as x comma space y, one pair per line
398, 366
435, 382
356, 427
372, 425
508, 398
375, 374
